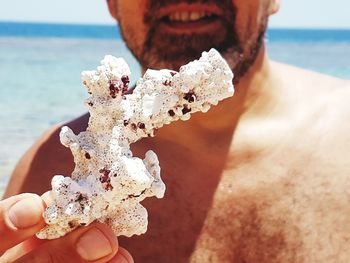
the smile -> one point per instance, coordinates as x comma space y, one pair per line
188, 16
184, 18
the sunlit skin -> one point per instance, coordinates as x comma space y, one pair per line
261, 178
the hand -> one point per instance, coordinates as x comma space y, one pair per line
21, 218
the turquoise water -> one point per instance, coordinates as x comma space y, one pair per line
40, 69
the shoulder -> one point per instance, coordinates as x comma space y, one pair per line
45, 158
323, 112
313, 88
304, 77
317, 103
50, 138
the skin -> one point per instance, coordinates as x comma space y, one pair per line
21, 218
262, 177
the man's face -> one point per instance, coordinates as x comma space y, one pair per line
170, 33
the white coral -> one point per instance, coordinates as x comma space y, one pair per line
108, 183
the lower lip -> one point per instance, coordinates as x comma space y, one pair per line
200, 26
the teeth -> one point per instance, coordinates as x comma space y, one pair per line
177, 16
194, 16
188, 16
185, 16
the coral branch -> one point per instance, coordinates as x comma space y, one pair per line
108, 183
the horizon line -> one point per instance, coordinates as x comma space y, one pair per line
114, 25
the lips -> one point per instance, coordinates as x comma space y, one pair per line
186, 18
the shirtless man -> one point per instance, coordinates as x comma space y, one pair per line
262, 177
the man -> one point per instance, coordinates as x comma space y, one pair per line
262, 177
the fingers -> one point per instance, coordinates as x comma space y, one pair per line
123, 256
21, 249
95, 243
20, 218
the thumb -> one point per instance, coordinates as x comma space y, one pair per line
20, 218
95, 243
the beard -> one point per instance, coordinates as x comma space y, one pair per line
167, 50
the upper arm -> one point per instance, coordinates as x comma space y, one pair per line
46, 158
27, 175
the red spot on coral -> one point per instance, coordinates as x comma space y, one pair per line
173, 73
167, 83
105, 179
125, 122
81, 198
87, 155
125, 80
104, 170
171, 113
190, 96
113, 90
141, 125
105, 175
115, 87
186, 110
108, 187
125, 86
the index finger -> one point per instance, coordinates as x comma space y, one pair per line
20, 218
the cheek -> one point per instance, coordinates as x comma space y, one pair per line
250, 16
130, 18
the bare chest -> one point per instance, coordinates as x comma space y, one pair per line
258, 207
278, 207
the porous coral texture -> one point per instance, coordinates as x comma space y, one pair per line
108, 182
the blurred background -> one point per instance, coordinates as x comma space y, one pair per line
44, 45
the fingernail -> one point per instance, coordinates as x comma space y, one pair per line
119, 258
26, 213
93, 245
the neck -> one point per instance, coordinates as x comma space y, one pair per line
254, 96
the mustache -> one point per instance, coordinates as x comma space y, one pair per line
153, 6
166, 50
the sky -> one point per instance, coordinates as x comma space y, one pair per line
293, 13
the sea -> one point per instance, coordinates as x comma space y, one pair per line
40, 66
